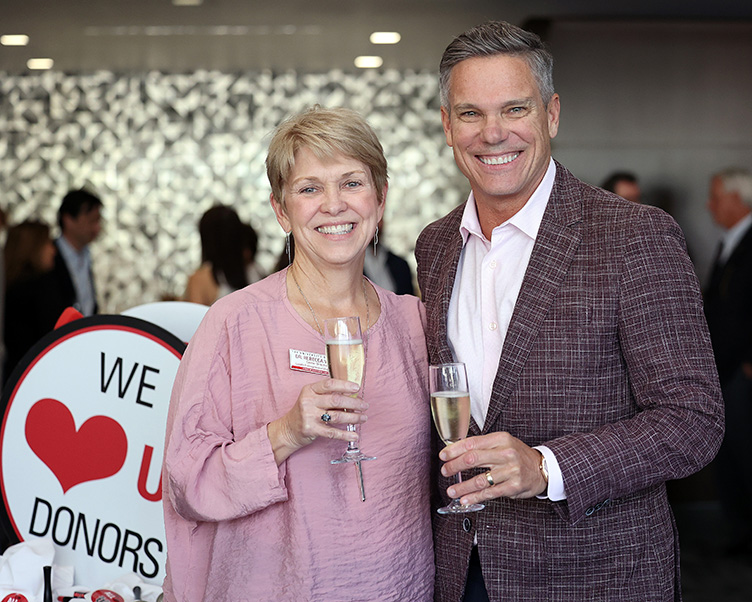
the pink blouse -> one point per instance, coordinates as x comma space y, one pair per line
241, 528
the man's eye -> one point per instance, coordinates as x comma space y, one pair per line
353, 184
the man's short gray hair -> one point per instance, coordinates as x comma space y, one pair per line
736, 179
493, 38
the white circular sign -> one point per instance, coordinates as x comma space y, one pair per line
82, 444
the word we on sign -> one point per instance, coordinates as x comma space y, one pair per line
82, 441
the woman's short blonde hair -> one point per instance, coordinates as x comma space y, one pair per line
325, 132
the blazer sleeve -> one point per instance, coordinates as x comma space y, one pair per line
666, 352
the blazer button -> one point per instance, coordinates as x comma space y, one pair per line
467, 524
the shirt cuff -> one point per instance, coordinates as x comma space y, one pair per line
555, 491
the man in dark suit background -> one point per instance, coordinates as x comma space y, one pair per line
579, 317
728, 307
79, 218
388, 270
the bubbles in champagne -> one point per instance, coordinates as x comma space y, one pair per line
346, 359
451, 414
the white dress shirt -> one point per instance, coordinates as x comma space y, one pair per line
489, 278
79, 267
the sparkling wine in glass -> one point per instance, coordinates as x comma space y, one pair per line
346, 358
450, 408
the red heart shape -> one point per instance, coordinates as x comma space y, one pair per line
96, 451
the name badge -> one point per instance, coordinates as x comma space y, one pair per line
307, 361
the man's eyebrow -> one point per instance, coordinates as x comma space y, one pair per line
520, 101
465, 106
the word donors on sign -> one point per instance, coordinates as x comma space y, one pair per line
82, 442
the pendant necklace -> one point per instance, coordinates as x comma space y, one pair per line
315, 318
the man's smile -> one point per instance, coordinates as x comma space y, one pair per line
498, 159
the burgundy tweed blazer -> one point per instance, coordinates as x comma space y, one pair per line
608, 362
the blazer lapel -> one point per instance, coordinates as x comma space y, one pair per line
445, 266
557, 241
448, 266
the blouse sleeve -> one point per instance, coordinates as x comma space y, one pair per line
211, 475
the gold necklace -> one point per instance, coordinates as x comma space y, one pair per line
313, 313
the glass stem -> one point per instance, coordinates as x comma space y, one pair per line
456, 501
352, 446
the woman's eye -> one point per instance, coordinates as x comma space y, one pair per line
307, 190
353, 184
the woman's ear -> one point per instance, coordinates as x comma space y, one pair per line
382, 204
279, 212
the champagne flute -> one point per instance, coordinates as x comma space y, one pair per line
450, 408
346, 358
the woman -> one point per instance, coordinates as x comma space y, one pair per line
29, 258
253, 508
228, 249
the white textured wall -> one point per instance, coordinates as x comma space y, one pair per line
160, 149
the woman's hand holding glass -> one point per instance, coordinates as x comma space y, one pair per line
307, 419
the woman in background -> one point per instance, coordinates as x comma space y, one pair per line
228, 250
254, 510
29, 258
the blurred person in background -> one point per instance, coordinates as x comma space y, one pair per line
80, 221
728, 308
3, 226
388, 270
625, 184
228, 251
29, 314
253, 272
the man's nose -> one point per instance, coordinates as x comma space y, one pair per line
494, 130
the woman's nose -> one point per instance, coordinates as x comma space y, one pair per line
333, 202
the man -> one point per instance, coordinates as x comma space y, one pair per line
79, 218
624, 184
728, 307
579, 318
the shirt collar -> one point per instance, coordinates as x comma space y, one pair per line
733, 235
527, 220
69, 252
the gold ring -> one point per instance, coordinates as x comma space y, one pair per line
489, 478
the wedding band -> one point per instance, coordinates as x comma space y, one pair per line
489, 478
325, 417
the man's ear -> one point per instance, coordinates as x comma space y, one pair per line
446, 123
553, 110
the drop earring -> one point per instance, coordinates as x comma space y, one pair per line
287, 247
375, 239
